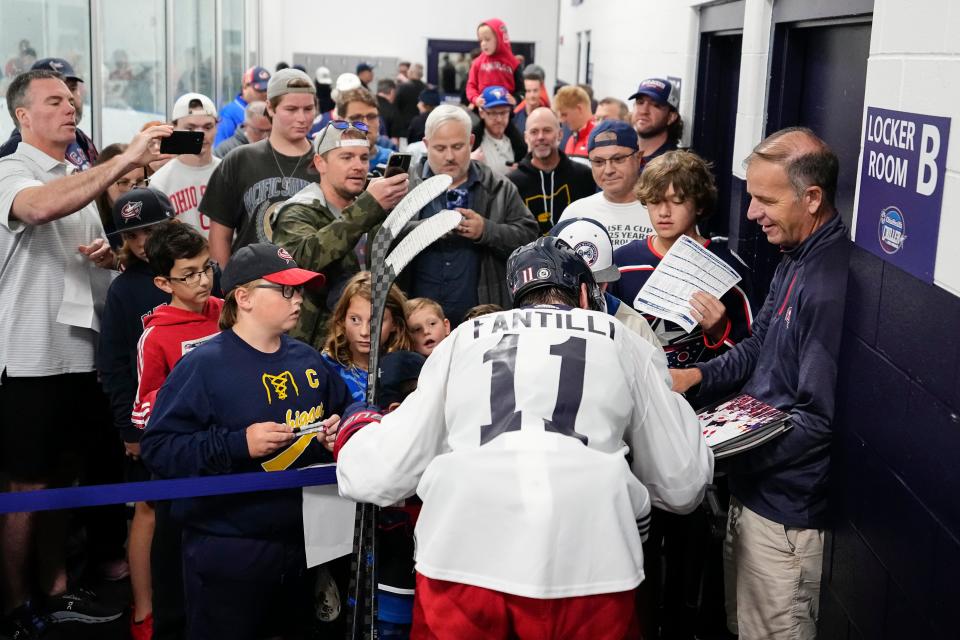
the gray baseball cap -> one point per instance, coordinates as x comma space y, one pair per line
331, 137
279, 84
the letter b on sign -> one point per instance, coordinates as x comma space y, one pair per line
927, 176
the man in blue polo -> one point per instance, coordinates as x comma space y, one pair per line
254, 88
656, 119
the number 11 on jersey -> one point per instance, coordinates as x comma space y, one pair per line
504, 415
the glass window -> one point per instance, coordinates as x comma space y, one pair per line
30, 30
134, 76
231, 49
193, 47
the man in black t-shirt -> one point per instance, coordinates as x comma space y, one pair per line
255, 179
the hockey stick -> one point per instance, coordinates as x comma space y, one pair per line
406, 209
382, 278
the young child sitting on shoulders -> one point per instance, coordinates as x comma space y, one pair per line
347, 349
427, 324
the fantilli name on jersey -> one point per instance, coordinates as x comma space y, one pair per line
493, 441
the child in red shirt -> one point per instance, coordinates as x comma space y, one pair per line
496, 64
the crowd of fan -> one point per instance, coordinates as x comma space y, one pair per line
117, 263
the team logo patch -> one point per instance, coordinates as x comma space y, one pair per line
543, 273
263, 75
284, 254
131, 210
605, 137
588, 251
893, 230
56, 66
279, 385
656, 84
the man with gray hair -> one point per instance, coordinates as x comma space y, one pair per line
255, 127
778, 508
467, 267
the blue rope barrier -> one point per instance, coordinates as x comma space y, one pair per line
98, 495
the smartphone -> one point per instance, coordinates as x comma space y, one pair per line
397, 163
182, 142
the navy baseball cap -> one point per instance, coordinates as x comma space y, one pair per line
397, 369
613, 133
59, 65
268, 262
660, 90
258, 77
139, 208
494, 96
363, 66
430, 97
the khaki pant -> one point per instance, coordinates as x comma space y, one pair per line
771, 577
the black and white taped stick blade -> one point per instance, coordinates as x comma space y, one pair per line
411, 204
426, 233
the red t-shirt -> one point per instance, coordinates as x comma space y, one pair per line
577, 143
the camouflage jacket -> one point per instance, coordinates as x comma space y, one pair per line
319, 240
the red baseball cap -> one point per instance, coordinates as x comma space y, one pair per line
268, 262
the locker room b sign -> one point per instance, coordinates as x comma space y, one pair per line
902, 172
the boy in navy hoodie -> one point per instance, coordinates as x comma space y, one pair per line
230, 406
137, 215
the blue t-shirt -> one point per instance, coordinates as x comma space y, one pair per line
231, 117
354, 377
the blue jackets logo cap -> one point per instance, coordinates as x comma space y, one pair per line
131, 210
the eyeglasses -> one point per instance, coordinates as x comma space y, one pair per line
125, 185
616, 161
499, 114
193, 279
249, 127
286, 290
361, 118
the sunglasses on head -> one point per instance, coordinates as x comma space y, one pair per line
343, 125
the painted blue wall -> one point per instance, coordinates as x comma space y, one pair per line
892, 568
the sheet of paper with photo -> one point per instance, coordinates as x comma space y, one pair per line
687, 267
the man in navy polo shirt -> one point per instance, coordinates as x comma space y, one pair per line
656, 119
254, 89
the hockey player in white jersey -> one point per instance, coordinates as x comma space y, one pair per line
516, 440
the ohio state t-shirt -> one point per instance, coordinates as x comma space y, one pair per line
185, 186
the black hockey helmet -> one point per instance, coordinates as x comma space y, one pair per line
549, 262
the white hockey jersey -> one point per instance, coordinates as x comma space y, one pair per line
516, 439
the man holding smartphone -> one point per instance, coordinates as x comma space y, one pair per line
184, 179
324, 226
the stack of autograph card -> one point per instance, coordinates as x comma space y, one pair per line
741, 423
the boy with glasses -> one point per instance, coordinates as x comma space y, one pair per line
184, 179
359, 105
615, 164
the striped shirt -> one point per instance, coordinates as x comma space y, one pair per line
44, 332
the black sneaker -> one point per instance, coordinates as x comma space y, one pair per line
23, 623
80, 605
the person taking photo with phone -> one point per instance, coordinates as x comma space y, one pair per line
184, 179
326, 225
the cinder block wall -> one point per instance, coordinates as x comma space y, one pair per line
892, 565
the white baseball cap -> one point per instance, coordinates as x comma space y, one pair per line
181, 108
591, 241
323, 76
